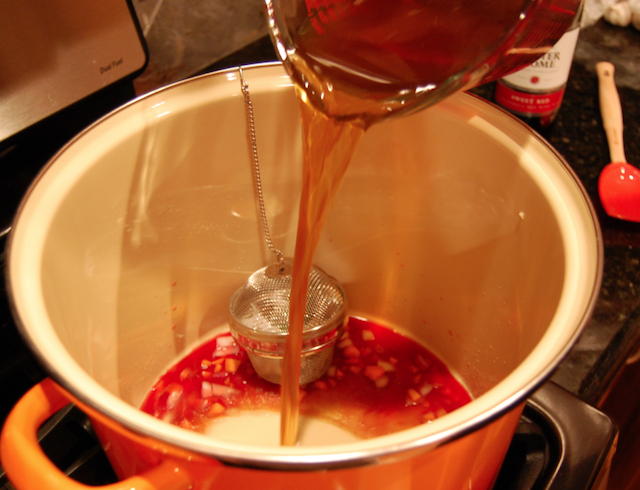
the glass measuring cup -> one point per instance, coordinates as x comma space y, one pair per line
370, 59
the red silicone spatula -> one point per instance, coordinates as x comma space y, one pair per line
619, 183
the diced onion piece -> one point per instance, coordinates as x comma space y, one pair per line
205, 390
227, 351
352, 351
374, 372
216, 409
422, 363
225, 341
231, 365
382, 382
200, 405
222, 390
175, 393
186, 373
321, 385
413, 395
387, 366
429, 416
425, 389
226, 346
368, 335
343, 344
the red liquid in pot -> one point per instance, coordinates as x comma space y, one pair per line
380, 382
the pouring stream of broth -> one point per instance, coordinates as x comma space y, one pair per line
328, 147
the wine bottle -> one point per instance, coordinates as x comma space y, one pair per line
535, 93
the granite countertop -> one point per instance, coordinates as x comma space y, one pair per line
614, 331
577, 134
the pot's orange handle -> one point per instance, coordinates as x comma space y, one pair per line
28, 467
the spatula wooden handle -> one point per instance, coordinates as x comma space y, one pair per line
610, 110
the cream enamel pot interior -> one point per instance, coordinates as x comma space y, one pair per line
457, 225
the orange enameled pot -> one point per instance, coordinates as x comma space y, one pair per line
457, 225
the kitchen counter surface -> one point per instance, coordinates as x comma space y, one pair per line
614, 330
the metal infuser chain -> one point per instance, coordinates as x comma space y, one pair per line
251, 131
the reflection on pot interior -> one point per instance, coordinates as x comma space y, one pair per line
380, 382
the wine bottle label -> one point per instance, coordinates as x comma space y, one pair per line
549, 72
527, 103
